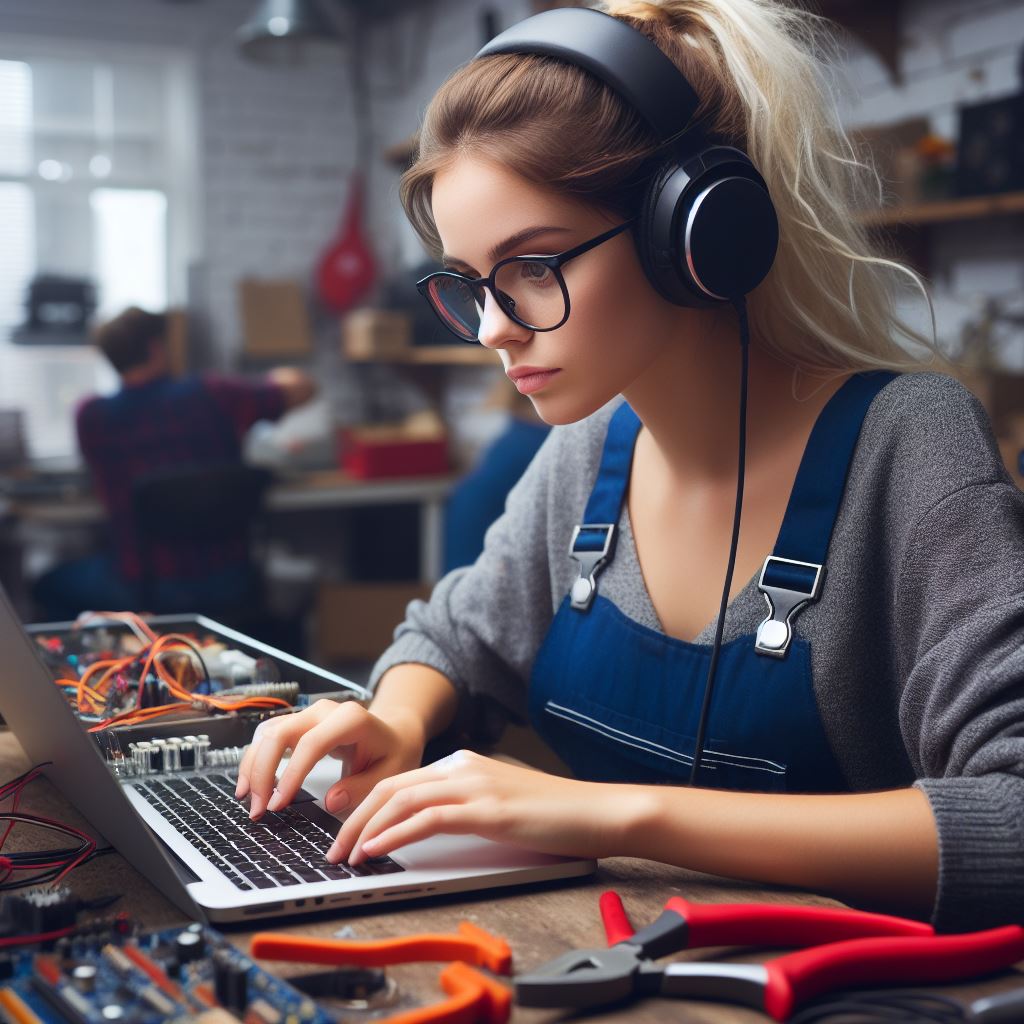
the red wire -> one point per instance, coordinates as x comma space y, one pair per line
24, 940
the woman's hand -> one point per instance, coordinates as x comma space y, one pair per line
372, 746
469, 793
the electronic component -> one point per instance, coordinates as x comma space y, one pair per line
167, 755
171, 976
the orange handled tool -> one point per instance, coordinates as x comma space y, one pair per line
473, 998
472, 945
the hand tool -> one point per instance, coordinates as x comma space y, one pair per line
473, 997
848, 948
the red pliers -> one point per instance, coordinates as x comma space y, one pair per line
848, 948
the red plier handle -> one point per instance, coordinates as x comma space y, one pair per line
685, 925
797, 977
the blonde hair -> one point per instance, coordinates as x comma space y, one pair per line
762, 71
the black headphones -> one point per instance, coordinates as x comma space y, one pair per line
706, 231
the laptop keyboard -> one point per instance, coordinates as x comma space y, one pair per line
282, 848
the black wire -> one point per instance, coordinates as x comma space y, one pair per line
902, 1006
740, 306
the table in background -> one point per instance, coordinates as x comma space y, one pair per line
78, 516
539, 921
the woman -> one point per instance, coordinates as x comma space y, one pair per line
869, 744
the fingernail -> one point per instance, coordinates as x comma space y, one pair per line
257, 807
356, 855
241, 789
337, 801
371, 846
276, 801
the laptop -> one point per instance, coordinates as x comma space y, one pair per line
185, 831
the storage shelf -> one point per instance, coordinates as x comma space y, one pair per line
946, 210
436, 355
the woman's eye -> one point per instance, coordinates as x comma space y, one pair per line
536, 273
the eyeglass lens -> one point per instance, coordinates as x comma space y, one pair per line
528, 290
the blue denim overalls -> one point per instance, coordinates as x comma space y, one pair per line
619, 702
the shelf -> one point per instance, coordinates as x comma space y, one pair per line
946, 210
435, 355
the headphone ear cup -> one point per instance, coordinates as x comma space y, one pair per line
656, 263
707, 231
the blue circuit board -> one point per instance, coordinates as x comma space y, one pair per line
191, 974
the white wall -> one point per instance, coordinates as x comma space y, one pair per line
956, 52
273, 146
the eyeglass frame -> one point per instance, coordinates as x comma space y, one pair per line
553, 263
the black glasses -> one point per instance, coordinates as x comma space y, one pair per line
528, 289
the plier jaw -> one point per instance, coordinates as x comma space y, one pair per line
582, 978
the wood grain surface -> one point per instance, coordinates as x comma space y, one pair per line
539, 921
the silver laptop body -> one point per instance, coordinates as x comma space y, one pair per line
142, 819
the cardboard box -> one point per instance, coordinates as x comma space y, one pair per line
376, 334
275, 320
356, 621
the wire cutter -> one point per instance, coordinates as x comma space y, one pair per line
848, 948
473, 997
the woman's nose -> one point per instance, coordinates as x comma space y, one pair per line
497, 329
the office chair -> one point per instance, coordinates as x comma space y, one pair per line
205, 505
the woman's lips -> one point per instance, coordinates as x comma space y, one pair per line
529, 380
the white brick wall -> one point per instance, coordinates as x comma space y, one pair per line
275, 147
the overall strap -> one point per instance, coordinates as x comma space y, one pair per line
793, 574
593, 541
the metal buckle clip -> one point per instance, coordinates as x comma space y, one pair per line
775, 633
591, 559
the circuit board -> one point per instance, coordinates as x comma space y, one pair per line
191, 974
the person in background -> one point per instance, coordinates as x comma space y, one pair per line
160, 421
479, 497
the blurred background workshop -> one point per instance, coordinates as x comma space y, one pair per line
199, 213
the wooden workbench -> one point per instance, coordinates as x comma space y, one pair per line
539, 921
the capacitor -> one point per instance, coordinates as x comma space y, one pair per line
189, 946
84, 977
112, 1011
231, 979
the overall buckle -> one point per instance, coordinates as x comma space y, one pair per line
590, 545
787, 585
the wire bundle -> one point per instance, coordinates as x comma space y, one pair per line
900, 1006
97, 690
47, 866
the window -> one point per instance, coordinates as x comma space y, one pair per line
93, 186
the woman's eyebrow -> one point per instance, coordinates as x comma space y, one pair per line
498, 251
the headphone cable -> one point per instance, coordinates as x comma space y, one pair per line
740, 305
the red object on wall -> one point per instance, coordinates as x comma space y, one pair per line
365, 458
346, 269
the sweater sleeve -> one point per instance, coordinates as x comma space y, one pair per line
960, 623
484, 623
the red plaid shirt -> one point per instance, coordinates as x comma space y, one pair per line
169, 422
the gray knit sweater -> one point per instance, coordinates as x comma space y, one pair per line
917, 643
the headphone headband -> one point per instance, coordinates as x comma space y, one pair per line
624, 59
706, 230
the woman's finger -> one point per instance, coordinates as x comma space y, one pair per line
341, 729
275, 737
375, 799
409, 801
452, 819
